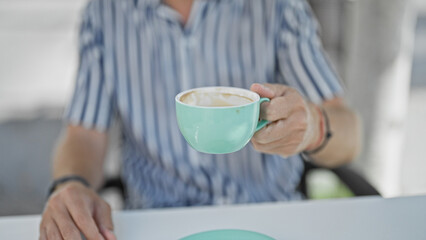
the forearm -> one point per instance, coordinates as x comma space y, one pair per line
78, 153
345, 143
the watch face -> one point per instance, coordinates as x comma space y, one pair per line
228, 234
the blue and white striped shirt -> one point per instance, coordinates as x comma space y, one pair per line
135, 56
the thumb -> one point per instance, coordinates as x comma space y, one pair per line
103, 218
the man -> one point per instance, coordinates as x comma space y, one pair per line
136, 55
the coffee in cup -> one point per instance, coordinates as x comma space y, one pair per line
214, 99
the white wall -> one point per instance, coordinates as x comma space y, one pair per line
37, 54
378, 81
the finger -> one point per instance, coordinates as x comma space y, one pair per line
271, 132
52, 231
103, 218
66, 225
42, 234
82, 217
278, 108
283, 106
282, 128
292, 139
286, 151
282, 149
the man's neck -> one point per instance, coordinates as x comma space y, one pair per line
183, 7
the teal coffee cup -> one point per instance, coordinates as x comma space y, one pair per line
218, 120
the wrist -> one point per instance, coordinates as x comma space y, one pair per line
65, 181
318, 127
65, 184
325, 133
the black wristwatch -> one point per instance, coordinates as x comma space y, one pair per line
65, 179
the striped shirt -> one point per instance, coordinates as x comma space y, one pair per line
135, 56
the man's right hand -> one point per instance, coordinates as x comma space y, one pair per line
74, 209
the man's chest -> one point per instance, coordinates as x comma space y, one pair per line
219, 46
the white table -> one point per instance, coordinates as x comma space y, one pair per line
359, 218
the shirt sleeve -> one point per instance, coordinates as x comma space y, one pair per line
91, 104
301, 60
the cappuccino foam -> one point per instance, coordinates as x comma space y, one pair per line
214, 99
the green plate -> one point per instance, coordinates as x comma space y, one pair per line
228, 234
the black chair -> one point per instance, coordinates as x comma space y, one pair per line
355, 182
115, 183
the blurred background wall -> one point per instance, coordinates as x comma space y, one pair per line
378, 47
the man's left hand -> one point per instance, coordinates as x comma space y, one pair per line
294, 122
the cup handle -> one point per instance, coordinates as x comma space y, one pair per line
262, 123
